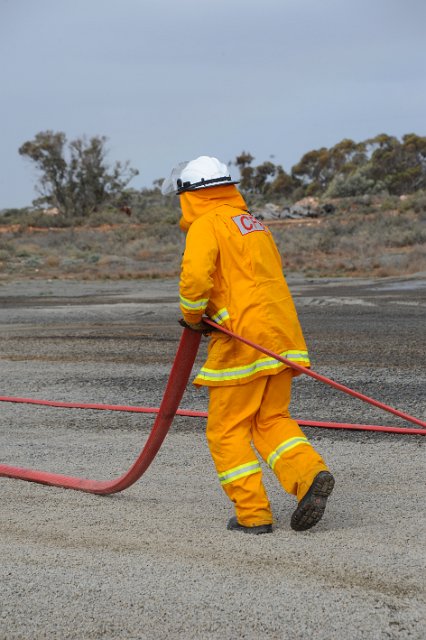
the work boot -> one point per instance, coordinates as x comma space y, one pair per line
234, 525
312, 506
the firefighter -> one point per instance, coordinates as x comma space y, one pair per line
232, 272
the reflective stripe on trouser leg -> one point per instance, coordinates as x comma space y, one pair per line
229, 437
239, 472
281, 442
283, 448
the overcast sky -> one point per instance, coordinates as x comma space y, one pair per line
169, 80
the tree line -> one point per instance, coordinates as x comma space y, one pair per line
76, 178
382, 164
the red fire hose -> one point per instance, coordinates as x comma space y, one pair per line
179, 375
203, 414
175, 388
318, 376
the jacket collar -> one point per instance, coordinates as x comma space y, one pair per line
195, 204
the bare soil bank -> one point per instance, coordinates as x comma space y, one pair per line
156, 561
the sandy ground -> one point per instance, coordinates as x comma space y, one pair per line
156, 561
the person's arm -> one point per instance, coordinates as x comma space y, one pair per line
198, 266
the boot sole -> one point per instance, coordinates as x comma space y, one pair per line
234, 525
311, 508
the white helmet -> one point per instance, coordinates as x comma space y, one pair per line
200, 173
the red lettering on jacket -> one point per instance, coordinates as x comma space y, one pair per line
247, 223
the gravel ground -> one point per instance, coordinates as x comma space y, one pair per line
156, 561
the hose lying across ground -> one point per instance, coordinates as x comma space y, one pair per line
178, 379
320, 377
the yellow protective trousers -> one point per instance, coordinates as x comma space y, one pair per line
258, 413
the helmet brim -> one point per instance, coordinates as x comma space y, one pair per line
205, 184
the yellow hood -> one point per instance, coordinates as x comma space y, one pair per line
196, 203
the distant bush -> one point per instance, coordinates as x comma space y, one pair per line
354, 184
418, 202
74, 176
9, 215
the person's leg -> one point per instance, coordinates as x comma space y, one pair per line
281, 442
231, 411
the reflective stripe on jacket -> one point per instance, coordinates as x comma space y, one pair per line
232, 271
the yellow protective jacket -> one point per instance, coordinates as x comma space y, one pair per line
232, 272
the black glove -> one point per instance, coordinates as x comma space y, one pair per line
200, 327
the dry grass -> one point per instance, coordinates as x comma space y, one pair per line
364, 237
357, 241
108, 251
